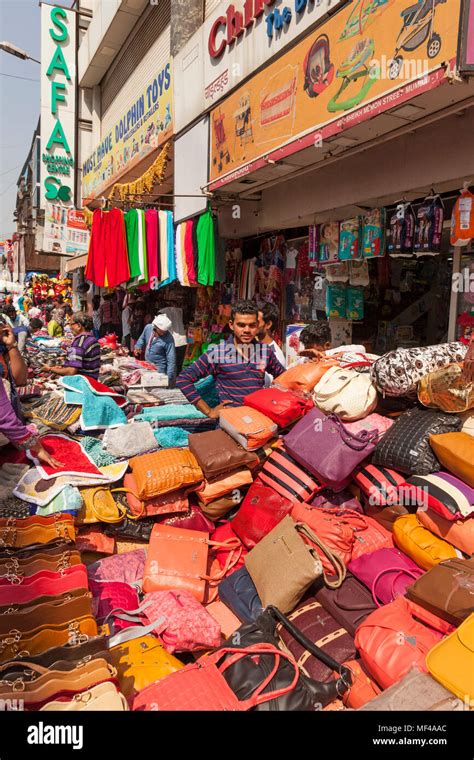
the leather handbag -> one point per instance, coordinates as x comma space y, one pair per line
100, 506
71, 654
386, 516
128, 567
379, 484
93, 540
386, 573
281, 406
451, 662
218, 454
345, 392
14, 607
397, 637
415, 691
224, 485
227, 541
349, 604
45, 636
363, 688
218, 508
317, 625
109, 595
52, 548
261, 510
201, 685
371, 422
446, 590
303, 377
249, 428
286, 477
308, 694
45, 583
193, 519
132, 530
14, 569
168, 504
283, 566
103, 697
164, 471
459, 533
322, 445
446, 389
140, 662
420, 544
177, 559
17, 534
406, 447
187, 627
443, 493
53, 612
455, 451
238, 592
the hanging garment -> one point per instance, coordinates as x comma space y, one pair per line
188, 249
195, 246
170, 250
131, 226
152, 247
206, 249
183, 255
163, 231
179, 260
107, 262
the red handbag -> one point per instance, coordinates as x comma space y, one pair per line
261, 510
282, 406
337, 528
372, 538
287, 477
44, 583
220, 537
201, 685
397, 637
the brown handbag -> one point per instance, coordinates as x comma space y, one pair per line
16, 536
44, 637
386, 516
218, 454
49, 613
220, 507
9, 609
72, 654
19, 568
230, 483
164, 471
446, 590
349, 604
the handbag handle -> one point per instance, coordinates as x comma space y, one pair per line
398, 571
122, 511
131, 515
357, 442
235, 545
320, 654
428, 617
335, 559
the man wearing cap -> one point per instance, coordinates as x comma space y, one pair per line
158, 343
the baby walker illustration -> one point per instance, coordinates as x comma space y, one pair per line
351, 70
363, 12
418, 27
222, 150
317, 66
243, 120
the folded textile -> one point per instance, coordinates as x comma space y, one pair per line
129, 440
74, 460
207, 390
53, 412
30, 390
171, 396
68, 500
33, 488
171, 437
12, 506
93, 447
10, 476
142, 397
75, 385
170, 412
99, 410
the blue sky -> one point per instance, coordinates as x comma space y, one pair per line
19, 98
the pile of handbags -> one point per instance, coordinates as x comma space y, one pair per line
315, 552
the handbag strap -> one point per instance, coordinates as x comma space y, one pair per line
121, 511
398, 572
129, 514
345, 680
358, 441
135, 632
234, 555
335, 559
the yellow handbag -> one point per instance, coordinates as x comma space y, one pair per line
419, 543
140, 662
100, 506
165, 471
451, 662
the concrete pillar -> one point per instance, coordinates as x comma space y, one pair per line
96, 115
186, 18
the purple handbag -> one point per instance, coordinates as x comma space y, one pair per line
342, 500
387, 573
324, 446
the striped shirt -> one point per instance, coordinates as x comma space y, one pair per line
237, 373
84, 355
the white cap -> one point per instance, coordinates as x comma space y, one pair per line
162, 322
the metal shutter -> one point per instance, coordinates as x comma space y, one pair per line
145, 52
210, 7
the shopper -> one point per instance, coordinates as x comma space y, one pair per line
316, 339
12, 364
19, 322
237, 364
110, 317
83, 356
56, 323
96, 316
157, 342
267, 325
175, 314
126, 321
37, 328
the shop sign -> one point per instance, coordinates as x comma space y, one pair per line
65, 231
365, 59
242, 36
143, 127
58, 104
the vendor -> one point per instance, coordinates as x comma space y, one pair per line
83, 356
158, 343
12, 364
238, 364
56, 323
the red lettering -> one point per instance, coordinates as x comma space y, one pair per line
259, 5
234, 24
248, 13
211, 45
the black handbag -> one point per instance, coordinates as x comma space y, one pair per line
238, 592
405, 446
246, 675
349, 604
136, 530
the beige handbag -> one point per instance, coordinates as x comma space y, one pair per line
103, 697
415, 691
347, 393
283, 566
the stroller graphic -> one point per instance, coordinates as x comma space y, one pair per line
221, 141
418, 27
243, 120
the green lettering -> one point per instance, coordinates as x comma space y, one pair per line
52, 185
57, 97
58, 137
58, 63
64, 193
59, 24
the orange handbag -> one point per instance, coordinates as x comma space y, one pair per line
177, 559
217, 487
422, 546
397, 637
456, 452
164, 471
459, 533
363, 688
303, 377
247, 426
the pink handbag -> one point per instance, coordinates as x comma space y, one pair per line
109, 595
374, 422
126, 568
188, 627
387, 573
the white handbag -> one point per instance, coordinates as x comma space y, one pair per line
347, 393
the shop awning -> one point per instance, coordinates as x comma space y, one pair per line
76, 262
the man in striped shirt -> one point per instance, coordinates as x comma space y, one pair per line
83, 355
238, 364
